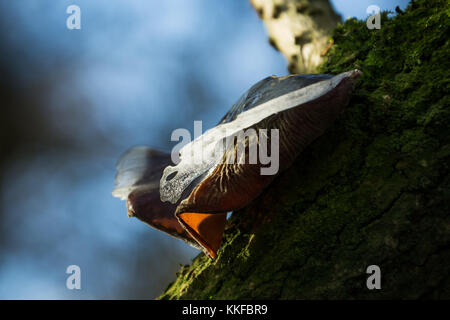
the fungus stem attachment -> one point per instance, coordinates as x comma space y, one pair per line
206, 228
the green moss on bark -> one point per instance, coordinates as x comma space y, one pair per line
375, 189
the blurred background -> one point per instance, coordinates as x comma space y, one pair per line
73, 100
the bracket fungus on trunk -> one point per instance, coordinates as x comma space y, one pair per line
219, 172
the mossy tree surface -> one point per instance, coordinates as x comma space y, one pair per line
374, 190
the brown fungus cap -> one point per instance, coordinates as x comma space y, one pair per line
191, 199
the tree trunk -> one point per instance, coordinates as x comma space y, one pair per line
299, 29
373, 190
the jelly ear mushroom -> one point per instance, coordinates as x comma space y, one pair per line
231, 186
281, 115
137, 182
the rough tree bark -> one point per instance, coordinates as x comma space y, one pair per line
374, 190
